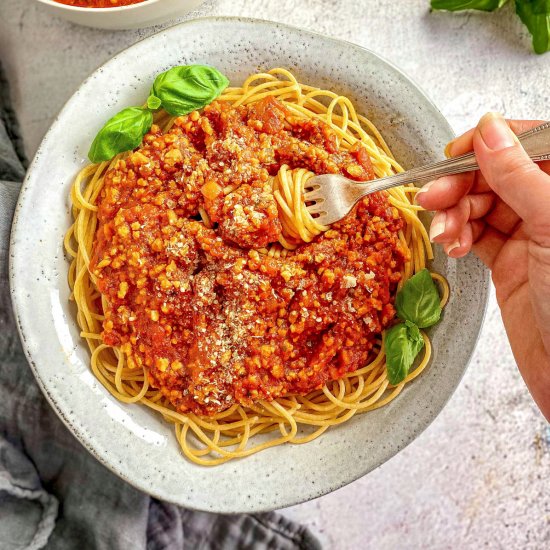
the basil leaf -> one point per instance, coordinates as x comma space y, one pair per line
457, 5
188, 88
536, 17
121, 133
418, 301
402, 344
541, 6
153, 102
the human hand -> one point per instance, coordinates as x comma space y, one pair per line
502, 213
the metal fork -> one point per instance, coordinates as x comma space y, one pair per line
331, 197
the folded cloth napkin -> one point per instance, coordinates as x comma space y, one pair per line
53, 493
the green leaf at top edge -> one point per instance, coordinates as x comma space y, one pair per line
459, 5
418, 301
402, 344
541, 7
188, 88
536, 17
121, 133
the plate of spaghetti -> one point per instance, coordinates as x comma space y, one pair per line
188, 318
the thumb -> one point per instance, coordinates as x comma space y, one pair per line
510, 173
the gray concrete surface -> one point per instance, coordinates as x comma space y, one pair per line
478, 477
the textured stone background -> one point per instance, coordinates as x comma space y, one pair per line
478, 477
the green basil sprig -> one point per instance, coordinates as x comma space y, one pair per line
535, 15
123, 132
418, 300
458, 5
179, 91
402, 342
418, 304
184, 89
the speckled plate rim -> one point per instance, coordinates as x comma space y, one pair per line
29, 327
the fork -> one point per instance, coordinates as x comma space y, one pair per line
331, 197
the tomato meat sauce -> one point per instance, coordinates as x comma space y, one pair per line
213, 320
99, 3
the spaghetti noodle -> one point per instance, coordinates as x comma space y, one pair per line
241, 430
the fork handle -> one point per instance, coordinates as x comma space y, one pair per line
536, 143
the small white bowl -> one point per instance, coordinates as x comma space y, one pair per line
144, 14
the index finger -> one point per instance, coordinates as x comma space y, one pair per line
445, 192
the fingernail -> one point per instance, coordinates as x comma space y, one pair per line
443, 185
452, 246
438, 225
495, 132
448, 148
424, 188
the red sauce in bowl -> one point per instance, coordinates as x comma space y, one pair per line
99, 3
214, 321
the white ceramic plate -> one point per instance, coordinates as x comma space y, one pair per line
131, 440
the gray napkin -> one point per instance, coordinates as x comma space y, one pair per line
53, 493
